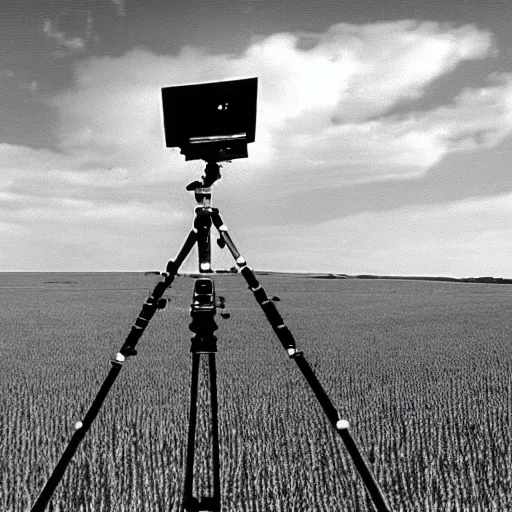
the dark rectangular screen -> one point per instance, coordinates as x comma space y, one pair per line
209, 110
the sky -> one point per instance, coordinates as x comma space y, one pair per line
383, 137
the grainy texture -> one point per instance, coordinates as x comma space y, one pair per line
422, 370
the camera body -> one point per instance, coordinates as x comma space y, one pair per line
203, 298
211, 121
202, 312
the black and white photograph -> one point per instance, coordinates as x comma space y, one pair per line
255, 256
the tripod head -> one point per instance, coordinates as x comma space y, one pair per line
211, 176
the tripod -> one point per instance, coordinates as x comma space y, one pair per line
204, 342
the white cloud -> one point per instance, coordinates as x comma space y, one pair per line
111, 163
468, 238
398, 60
73, 43
351, 73
52, 233
478, 117
71, 31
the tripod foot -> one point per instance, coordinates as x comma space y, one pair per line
208, 503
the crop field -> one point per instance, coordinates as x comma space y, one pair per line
421, 370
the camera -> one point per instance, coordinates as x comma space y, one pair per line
211, 121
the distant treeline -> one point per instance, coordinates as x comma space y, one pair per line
489, 280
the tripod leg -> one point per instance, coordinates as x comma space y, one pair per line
215, 432
211, 503
128, 349
189, 470
287, 340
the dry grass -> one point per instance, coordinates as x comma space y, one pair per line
422, 370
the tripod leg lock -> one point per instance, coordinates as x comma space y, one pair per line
342, 425
141, 322
118, 360
121, 356
130, 351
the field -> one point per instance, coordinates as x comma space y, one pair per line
422, 370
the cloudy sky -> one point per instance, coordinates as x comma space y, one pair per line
383, 140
